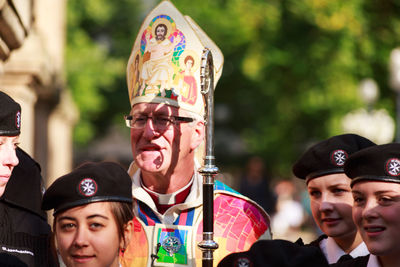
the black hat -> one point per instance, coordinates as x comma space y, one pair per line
378, 163
328, 156
10, 116
91, 182
274, 253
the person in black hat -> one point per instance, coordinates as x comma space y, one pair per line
330, 195
92, 214
375, 174
10, 125
24, 231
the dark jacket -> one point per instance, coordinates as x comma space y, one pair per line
276, 253
24, 232
314, 243
357, 262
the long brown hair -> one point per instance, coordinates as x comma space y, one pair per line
123, 213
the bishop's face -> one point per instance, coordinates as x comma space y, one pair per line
156, 151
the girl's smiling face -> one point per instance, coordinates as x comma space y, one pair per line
376, 213
331, 205
88, 236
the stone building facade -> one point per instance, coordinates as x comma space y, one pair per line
32, 41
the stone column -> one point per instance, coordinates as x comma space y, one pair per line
32, 43
61, 124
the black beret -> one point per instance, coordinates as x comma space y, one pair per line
274, 253
328, 156
10, 116
378, 163
91, 182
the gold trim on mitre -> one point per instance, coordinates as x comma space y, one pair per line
157, 71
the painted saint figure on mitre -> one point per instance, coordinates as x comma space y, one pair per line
156, 69
167, 129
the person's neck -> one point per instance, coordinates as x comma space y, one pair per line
165, 201
391, 260
167, 183
349, 243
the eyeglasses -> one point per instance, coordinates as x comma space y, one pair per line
160, 123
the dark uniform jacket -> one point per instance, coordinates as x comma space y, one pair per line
24, 232
357, 262
276, 253
314, 243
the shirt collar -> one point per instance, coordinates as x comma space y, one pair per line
333, 252
373, 261
360, 250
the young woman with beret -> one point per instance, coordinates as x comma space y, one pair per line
330, 195
375, 174
24, 231
92, 214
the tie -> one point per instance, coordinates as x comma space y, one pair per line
345, 257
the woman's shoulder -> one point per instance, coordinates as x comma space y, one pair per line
314, 243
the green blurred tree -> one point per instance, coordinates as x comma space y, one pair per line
291, 69
100, 34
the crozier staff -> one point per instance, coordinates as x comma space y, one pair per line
167, 128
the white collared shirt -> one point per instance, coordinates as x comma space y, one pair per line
333, 252
373, 261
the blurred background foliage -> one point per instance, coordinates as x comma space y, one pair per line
292, 68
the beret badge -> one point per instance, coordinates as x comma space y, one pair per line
392, 166
18, 120
87, 187
243, 262
338, 157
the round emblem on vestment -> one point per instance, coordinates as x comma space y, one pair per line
393, 166
87, 187
171, 244
338, 157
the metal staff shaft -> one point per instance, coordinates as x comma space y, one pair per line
209, 170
